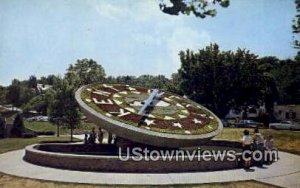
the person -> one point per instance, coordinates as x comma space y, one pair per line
109, 138
100, 136
92, 137
85, 138
258, 146
114, 138
269, 147
246, 144
269, 143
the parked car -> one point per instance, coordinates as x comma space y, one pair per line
38, 118
225, 123
285, 125
43, 118
247, 123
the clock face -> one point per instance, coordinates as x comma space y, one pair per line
148, 109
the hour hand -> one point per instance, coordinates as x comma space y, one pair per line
151, 101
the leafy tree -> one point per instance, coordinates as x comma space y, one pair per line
3, 92
63, 108
287, 77
32, 81
13, 93
87, 70
174, 83
296, 24
199, 8
43, 80
52, 79
2, 127
220, 80
18, 127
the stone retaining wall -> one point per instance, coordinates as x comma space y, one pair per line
112, 163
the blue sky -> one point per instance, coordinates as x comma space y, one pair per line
42, 37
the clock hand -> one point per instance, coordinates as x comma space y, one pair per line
150, 101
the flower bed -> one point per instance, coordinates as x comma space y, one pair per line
172, 114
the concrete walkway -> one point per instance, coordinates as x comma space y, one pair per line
285, 173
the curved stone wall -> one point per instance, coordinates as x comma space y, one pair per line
38, 154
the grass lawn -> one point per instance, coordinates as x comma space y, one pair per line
47, 126
284, 140
7, 181
10, 144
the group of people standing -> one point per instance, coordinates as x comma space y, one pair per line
93, 136
255, 148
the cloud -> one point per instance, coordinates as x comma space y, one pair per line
186, 38
109, 10
154, 37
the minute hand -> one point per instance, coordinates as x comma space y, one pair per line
149, 101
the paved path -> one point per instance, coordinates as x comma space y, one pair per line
285, 173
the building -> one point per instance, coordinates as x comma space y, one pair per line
250, 111
287, 112
43, 87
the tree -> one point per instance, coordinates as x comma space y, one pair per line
13, 93
296, 25
200, 8
63, 109
87, 70
32, 81
18, 127
3, 92
2, 127
52, 79
220, 80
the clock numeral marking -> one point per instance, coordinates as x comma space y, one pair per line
110, 87
179, 105
184, 111
136, 92
117, 95
123, 92
121, 113
168, 118
131, 88
168, 99
149, 122
196, 121
171, 97
181, 116
108, 114
117, 101
131, 109
88, 100
103, 93
108, 101
177, 125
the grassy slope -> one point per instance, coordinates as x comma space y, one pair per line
46, 126
7, 181
284, 140
10, 144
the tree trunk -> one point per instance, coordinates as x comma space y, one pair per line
57, 130
71, 132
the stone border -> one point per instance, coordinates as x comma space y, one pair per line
142, 135
106, 163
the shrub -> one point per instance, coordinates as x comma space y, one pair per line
18, 127
2, 127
